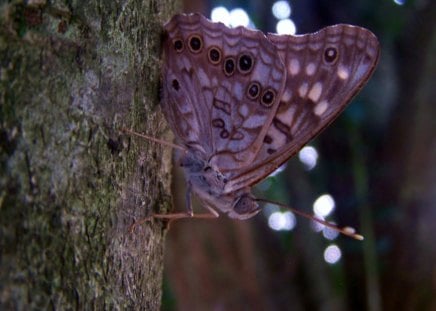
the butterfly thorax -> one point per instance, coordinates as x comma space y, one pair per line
208, 183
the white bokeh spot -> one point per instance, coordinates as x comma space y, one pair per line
282, 221
220, 14
309, 157
281, 9
286, 27
332, 254
238, 17
324, 205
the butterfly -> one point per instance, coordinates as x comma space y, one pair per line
241, 103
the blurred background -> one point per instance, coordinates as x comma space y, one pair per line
372, 169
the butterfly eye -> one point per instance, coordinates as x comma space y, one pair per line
253, 90
229, 66
214, 55
268, 98
245, 205
330, 55
245, 63
195, 43
178, 45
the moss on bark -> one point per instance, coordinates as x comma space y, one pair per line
73, 74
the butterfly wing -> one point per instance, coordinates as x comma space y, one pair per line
221, 88
324, 71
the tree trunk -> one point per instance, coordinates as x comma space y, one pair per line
71, 184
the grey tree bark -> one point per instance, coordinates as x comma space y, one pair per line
71, 184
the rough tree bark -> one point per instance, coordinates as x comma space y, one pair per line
72, 74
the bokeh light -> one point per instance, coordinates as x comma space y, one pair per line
316, 226
329, 233
220, 14
282, 221
309, 157
400, 2
281, 9
324, 205
286, 27
332, 254
238, 17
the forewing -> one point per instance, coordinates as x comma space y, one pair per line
221, 88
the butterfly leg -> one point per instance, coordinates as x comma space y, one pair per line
174, 216
189, 212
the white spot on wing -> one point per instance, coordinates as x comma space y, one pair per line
294, 67
186, 63
243, 110
238, 90
202, 76
310, 69
287, 95
276, 74
321, 108
254, 121
302, 91
361, 70
279, 139
343, 72
315, 91
287, 116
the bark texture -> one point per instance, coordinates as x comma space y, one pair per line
72, 74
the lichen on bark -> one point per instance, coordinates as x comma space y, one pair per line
72, 75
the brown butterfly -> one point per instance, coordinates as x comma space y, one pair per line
242, 103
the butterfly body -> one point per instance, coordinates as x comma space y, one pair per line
208, 184
243, 103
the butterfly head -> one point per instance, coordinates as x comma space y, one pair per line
244, 207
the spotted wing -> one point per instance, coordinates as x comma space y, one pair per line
221, 89
324, 71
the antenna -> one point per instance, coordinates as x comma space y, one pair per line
348, 231
156, 140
